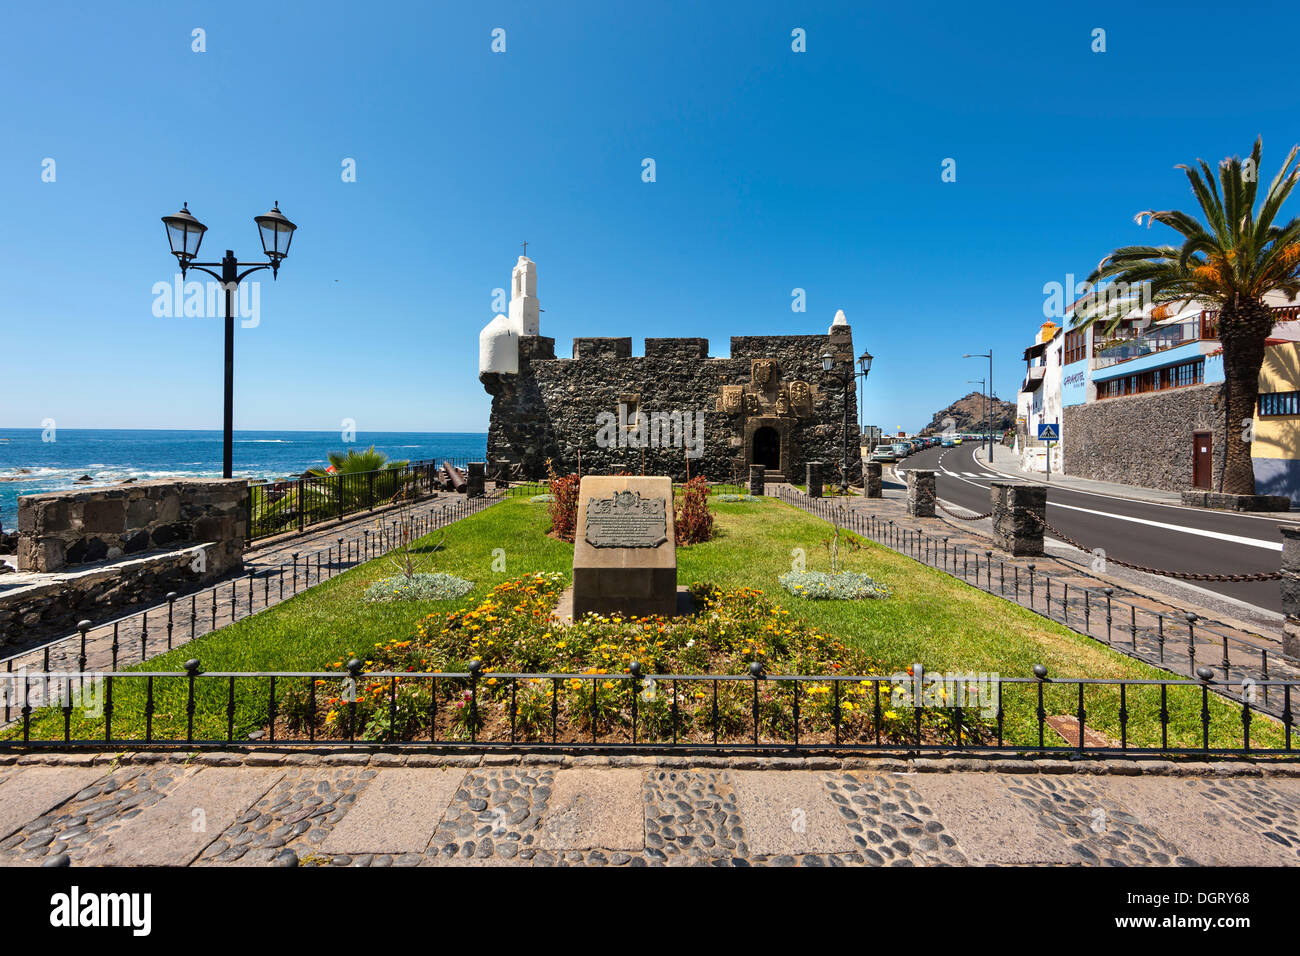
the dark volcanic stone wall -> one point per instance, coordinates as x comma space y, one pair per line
551, 408
1143, 439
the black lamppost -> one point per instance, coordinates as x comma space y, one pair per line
980, 382
988, 418
185, 235
846, 373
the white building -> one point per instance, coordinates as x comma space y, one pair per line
498, 343
1039, 400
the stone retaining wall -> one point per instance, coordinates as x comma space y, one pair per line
53, 604
1143, 440
81, 526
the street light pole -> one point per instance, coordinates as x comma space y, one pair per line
229, 279
988, 412
846, 375
185, 235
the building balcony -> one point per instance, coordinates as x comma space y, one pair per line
1194, 328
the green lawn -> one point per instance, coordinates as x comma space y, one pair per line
931, 618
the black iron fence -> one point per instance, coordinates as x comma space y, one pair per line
477, 709
529, 489
294, 505
106, 645
1179, 641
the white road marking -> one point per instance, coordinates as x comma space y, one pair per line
1217, 535
1272, 518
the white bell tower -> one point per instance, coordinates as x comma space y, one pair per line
524, 309
498, 343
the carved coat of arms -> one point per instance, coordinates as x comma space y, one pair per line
801, 398
733, 399
763, 372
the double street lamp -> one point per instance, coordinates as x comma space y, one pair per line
185, 235
846, 374
988, 415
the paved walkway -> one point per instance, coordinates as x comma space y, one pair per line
392, 809
1139, 623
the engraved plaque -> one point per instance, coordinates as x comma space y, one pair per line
626, 521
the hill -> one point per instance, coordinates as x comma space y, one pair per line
967, 415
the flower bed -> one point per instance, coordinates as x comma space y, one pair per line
513, 631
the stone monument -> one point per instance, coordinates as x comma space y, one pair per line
625, 550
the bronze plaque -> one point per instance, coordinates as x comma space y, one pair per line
626, 521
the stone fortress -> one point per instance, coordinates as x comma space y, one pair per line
670, 411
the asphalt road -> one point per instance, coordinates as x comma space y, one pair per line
1158, 536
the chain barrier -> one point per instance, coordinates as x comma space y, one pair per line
949, 511
1180, 575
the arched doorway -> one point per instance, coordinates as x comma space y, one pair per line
767, 448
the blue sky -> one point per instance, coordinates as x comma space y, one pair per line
775, 170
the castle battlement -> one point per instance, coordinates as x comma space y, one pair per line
769, 402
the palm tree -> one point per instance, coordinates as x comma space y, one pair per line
1231, 260
356, 462
360, 479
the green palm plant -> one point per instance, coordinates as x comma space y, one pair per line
350, 489
1231, 258
355, 462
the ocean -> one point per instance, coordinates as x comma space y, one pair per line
109, 456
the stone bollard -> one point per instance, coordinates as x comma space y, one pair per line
1019, 510
814, 479
476, 479
1291, 593
872, 482
756, 479
920, 493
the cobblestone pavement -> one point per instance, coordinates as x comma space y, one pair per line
429, 810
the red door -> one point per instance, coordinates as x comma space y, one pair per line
1202, 456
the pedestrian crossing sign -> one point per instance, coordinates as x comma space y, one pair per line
1049, 431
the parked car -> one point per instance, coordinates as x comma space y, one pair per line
884, 453
949, 442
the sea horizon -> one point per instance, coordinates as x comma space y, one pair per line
34, 460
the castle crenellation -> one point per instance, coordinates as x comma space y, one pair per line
672, 410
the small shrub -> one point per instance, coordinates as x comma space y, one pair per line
841, 586
694, 520
419, 587
563, 505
